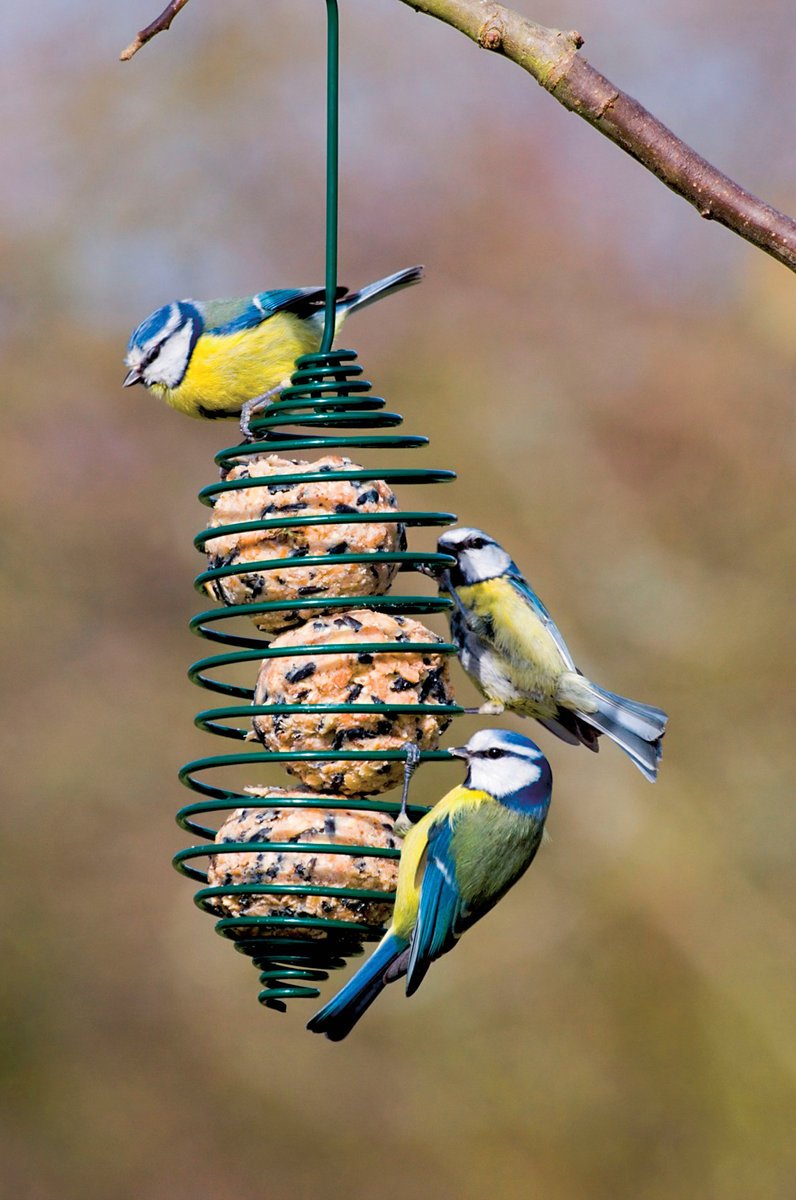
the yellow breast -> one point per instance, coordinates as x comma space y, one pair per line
413, 855
226, 370
508, 623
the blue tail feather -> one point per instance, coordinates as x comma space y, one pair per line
637, 728
337, 1018
382, 287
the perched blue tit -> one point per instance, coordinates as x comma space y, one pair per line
229, 358
456, 863
512, 650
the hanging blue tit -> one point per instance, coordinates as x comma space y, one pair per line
512, 650
229, 358
456, 863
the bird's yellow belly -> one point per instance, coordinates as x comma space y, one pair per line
226, 370
523, 652
413, 852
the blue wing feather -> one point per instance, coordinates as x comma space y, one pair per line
440, 907
279, 299
529, 595
233, 316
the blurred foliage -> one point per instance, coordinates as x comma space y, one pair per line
613, 379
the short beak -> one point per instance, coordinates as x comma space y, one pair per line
458, 751
132, 377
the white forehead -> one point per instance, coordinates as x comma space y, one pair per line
488, 739
454, 537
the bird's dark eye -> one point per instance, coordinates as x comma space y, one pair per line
476, 544
493, 753
150, 356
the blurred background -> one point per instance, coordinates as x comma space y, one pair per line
613, 379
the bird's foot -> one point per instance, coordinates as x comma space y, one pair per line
255, 405
402, 823
492, 708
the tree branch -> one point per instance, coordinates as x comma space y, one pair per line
159, 24
551, 57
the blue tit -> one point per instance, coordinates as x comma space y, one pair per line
510, 647
456, 863
229, 358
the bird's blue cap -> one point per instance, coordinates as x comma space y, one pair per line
163, 322
502, 739
149, 329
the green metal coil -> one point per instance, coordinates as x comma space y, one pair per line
326, 393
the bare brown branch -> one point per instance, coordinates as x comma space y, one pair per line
551, 57
159, 24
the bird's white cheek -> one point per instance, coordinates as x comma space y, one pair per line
502, 777
172, 361
489, 562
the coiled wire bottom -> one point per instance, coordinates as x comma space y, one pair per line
326, 393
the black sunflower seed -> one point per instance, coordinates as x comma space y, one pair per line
302, 672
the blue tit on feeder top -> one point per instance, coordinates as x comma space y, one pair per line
456, 863
304, 500
414, 677
512, 650
213, 358
265, 821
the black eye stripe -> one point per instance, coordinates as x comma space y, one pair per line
494, 752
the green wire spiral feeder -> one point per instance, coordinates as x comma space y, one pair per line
326, 394
328, 406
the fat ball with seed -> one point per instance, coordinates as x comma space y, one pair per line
267, 820
300, 501
320, 675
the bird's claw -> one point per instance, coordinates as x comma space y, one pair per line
255, 405
245, 432
402, 825
492, 708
